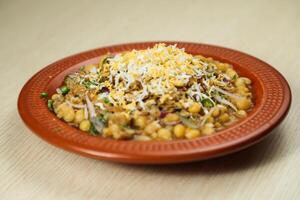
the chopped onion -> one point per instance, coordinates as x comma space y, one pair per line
225, 92
58, 91
224, 101
97, 124
204, 109
100, 105
86, 113
208, 114
90, 107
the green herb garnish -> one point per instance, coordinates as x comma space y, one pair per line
103, 118
106, 100
64, 90
207, 103
93, 131
44, 95
50, 104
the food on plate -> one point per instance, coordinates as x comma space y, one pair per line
159, 93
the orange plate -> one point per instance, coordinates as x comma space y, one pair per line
272, 98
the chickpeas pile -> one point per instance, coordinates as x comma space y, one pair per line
199, 118
68, 114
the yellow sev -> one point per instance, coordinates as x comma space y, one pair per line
160, 71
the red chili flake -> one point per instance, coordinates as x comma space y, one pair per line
163, 114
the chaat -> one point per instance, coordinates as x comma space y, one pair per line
159, 93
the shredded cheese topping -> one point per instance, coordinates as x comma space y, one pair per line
159, 71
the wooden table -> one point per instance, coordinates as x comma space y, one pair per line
36, 33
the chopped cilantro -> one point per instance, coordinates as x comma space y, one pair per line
87, 84
106, 100
50, 104
207, 103
93, 131
44, 95
64, 90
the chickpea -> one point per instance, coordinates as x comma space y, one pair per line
114, 127
223, 67
85, 125
92, 95
154, 111
247, 94
208, 129
178, 83
242, 93
216, 112
241, 113
242, 103
210, 59
164, 98
231, 73
121, 118
210, 119
115, 130
218, 124
171, 117
240, 82
242, 89
224, 118
116, 135
107, 132
89, 68
136, 114
69, 114
152, 128
179, 130
247, 80
60, 114
170, 128
55, 96
194, 108
192, 133
62, 107
222, 108
164, 134
140, 122
61, 110
154, 135
79, 116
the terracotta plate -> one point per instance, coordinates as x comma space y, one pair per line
272, 98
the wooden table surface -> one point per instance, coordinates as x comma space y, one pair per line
36, 33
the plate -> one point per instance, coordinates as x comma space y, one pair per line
272, 99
